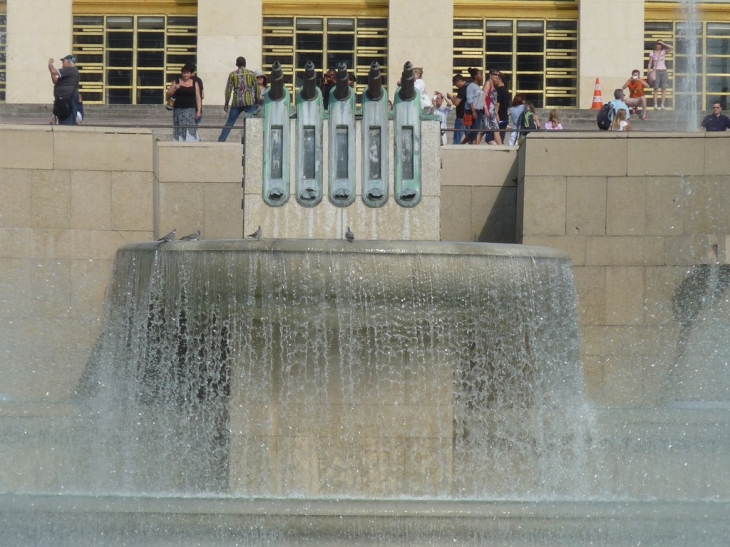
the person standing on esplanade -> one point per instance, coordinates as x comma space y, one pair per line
657, 62
66, 87
242, 92
188, 105
474, 104
459, 101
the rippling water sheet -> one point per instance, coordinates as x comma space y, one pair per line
313, 369
369, 393
77, 521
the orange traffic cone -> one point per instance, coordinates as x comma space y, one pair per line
597, 98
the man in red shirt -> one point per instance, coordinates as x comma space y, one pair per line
636, 96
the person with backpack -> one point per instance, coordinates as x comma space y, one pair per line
242, 92
608, 111
619, 104
528, 121
534, 120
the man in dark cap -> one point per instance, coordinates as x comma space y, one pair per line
65, 89
243, 94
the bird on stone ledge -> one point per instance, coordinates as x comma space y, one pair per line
256, 234
349, 236
191, 237
169, 237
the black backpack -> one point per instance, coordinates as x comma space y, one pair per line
605, 116
526, 122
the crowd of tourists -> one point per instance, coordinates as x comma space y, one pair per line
482, 109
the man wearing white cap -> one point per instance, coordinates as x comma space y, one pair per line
65, 89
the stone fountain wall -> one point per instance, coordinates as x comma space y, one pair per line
644, 218
637, 214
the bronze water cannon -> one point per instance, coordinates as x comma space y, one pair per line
309, 85
342, 83
407, 91
375, 82
276, 91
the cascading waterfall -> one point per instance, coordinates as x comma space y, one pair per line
688, 97
371, 393
302, 370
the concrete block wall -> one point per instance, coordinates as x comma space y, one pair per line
637, 213
199, 188
69, 198
479, 193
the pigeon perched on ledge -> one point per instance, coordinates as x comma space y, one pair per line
191, 237
256, 234
169, 237
349, 236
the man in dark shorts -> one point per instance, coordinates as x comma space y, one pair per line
459, 101
717, 121
66, 86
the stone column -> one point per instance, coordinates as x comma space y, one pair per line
37, 30
227, 29
611, 46
421, 32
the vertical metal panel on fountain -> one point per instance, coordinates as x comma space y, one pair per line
407, 141
375, 130
342, 174
277, 139
310, 120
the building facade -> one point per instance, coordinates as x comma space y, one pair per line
554, 51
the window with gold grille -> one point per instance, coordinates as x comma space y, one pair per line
326, 41
130, 59
3, 49
708, 61
539, 57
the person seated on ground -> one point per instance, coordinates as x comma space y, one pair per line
620, 123
619, 104
636, 85
717, 121
553, 123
